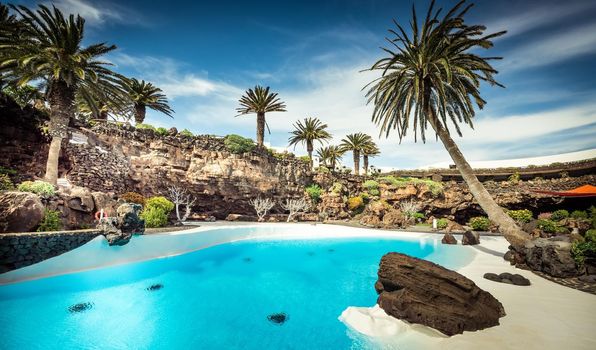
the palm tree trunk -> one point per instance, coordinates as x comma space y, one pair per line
309, 149
356, 154
365, 160
140, 111
514, 235
61, 98
260, 128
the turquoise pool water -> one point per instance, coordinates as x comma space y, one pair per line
215, 298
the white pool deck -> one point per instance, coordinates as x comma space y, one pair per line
544, 315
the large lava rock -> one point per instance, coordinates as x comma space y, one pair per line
551, 256
19, 211
118, 230
419, 291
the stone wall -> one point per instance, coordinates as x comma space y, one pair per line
22, 249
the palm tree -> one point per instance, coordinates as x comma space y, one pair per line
50, 48
330, 156
260, 101
432, 76
355, 143
312, 130
370, 150
145, 95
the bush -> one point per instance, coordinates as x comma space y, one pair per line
583, 250
50, 221
418, 216
336, 188
7, 171
545, 216
314, 192
41, 188
514, 178
186, 133
323, 170
579, 214
590, 235
154, 217
133, 197
238, 144
161, 131
145, 127
161, 203
548, 226
436, 188
305, 159
523, 215
480, 223
370, 185
355, 203
592, 211
374, 192
559, 215
5, 183
442, 223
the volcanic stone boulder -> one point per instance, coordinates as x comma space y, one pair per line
470, 238
551, 256
448, 239
118, 230
419, 291
20, 211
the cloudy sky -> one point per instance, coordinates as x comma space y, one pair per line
204, 54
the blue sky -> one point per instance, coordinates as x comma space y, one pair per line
205, 54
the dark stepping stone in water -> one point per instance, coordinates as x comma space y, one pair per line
80, 307
279, 318
154, 287
330, 250
247, 260
520, 280
506, 280
311, 253
492, 277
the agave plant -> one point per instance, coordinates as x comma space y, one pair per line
330, 156
146, 95
355, 143
308, 132
260, 101
431, 76
49, 48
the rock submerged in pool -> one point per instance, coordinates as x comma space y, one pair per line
80, 307
278, 318
154, 287
419, 291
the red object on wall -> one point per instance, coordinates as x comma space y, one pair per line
582, 191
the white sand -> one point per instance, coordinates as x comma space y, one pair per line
542, 316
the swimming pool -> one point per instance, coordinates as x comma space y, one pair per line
256, 292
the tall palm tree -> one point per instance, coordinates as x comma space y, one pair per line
312, 130
260, 101
433, 76
355, 143
50, 48
330, 156
370, 150
146, 95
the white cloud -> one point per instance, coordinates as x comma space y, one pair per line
92, 14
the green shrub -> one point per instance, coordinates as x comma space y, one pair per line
314, 192
323, 170
582, 251
50, 221
336, 188
548, 226
161, 203
186, 133
560, 215
592, 211
355, 203
238, 144
41, 188
145, 127
579, 214
6, 183
480, 223
514, 178
7, 171
442, 223
305, 159
436, 188
590, 235
374, 192
370, 185
154, 217
161, 131
523, 215
418, 216
133, 197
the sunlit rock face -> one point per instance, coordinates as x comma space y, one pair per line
119, 160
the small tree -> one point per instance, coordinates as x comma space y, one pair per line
294, 206
262, 206
409, 208
180, 197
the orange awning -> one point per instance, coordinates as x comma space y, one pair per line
582, 191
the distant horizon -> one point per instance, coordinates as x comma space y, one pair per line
204, 56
